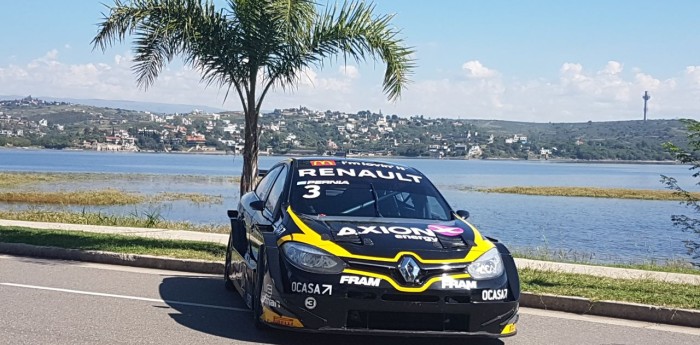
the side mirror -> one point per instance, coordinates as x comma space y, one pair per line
232, 214
462, 213
257, 205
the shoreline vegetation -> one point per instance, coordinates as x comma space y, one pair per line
590, 192
104, 197
568, 284
9, 179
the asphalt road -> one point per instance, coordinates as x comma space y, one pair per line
63, 302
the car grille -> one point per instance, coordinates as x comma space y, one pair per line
422, 298
358, 319
392, 270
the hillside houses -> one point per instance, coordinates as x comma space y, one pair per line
305, 131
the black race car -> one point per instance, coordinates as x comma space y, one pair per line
354, 246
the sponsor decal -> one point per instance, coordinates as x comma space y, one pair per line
272, 303
312, 288
371, 164
494, 295
310, 303
402, 232
284, 321
445, 230
322, 163
458, 284
357, 280
270, 316
352, 172
267, 300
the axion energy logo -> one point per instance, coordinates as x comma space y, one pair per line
445, 230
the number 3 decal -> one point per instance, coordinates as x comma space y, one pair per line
313, 192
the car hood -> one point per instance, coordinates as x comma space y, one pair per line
369, 238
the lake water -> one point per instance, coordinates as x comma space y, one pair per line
602, 230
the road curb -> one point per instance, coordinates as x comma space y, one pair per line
621, 310
577, 305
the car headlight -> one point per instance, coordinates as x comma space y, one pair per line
312, 259
488, 265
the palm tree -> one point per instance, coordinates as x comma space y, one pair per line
252, 46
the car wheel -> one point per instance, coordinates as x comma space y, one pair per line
257, 291
228, 265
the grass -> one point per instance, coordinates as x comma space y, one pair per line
11, 179
196, 198
592, 192
113, 243
85, 197
103, 197
599, 288
146, 219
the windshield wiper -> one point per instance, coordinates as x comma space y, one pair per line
376, 200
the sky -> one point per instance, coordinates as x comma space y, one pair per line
536, 60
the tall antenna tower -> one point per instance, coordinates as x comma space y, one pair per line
646, 98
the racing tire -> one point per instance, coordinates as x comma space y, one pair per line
228, 266
257, 290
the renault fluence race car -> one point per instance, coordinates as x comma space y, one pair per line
353, 246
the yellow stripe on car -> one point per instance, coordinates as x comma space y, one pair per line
311, 237
508, 329
391, 281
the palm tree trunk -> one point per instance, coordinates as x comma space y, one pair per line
250, 148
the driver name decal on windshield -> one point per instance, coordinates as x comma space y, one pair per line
351, 172
400, 232
334, 182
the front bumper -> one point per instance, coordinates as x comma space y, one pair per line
296, 300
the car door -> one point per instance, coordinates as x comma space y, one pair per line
254, 219
269, 213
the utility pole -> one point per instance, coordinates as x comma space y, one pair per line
646, 98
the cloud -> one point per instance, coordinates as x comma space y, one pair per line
578, 93
349, 71
474, 69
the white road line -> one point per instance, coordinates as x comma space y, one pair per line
610, 321
99, 294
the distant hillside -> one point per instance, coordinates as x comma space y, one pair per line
153, 107
31, 121
626, 140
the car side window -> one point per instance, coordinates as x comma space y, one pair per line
436, 211
265, 184
276, 190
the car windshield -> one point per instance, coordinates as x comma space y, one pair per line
363, 192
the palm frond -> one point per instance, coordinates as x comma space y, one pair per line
354, 32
